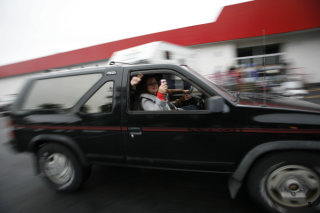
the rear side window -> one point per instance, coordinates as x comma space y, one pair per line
59, 93
101, 101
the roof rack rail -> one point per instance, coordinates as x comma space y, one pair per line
118, 62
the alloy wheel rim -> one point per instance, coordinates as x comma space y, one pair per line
58, 168
293, 186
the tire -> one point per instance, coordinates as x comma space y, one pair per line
286, 182
60, 168
86, 173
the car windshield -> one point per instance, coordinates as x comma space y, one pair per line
223, 91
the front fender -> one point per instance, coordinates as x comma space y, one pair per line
235, 181
61, 139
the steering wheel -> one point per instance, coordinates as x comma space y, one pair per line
194, 102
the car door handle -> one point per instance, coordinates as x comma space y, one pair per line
134, 131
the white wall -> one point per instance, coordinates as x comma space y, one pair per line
300, 49
303, 51
215, 57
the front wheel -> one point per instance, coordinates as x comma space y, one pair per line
287, 182
60, 168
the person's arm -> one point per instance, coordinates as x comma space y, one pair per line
135, 80
179, 102
162, 91
174, 91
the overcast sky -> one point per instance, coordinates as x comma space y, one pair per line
36, 28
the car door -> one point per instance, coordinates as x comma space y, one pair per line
179, 139
100, 113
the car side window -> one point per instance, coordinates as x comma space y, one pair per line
101, 101
60, 92
181, 94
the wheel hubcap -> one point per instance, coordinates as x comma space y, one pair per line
293, 186
58, 168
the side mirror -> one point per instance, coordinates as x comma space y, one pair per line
215, 104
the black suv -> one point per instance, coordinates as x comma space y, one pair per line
71, 120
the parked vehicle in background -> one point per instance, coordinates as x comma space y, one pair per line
73, 120
158, 52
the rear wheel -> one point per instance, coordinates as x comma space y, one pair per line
86, 173
287, 182
60, 168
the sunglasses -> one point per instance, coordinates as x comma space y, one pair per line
152, 84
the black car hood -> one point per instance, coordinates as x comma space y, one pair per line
275, 101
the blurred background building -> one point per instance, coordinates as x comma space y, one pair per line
256, 44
